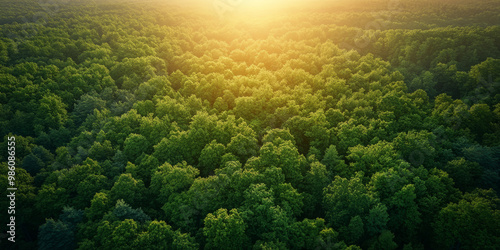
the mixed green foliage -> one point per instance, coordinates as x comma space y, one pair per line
359, 125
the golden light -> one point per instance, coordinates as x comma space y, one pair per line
263, 4
251, 7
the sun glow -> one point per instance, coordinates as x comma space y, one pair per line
251, 7
263, 4
248, 8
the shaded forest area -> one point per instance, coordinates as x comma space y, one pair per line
347, 125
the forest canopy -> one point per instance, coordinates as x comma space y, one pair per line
247, 125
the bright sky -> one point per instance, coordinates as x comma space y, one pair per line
254, 7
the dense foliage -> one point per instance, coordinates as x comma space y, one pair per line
144, 125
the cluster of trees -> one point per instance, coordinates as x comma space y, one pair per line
149, 126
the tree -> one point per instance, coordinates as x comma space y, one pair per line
145, 169
99, 205
480, 120
101, 151
465, 174
169, 179
243, 146
355, 229
50, 200
86, 106
32, 164
51, 113
173, 109
159, 235
405, 219
289, 199
292, 163
384, 241
265, 220
123, 211
134, 146
316, 179
225, 231
118, 234
69, 179
211, 157
373, 158
62, 160
4, 54
284, 156
376, 221
350, 135
175, 149
416, 147
352, 210
71, 217
312, 234
470, 223
55, 235
91, 185
334, 163
128, 189
276, 134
